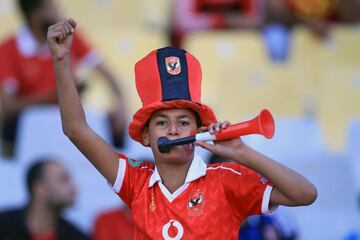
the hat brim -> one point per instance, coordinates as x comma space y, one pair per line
141, 117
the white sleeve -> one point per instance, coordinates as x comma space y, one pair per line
266, 201
120, 175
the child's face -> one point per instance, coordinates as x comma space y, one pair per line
172, 123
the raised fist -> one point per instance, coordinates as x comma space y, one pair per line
60, 37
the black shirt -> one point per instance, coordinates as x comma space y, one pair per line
13, 227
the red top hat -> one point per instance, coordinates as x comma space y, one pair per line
168, 78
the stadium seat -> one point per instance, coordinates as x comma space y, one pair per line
299, 144
239, 78
40, 134
9, 20
295, 140
308, 59
121, 50
12, 183
343, 44
339, 95
334, 214
108, 14
353, 146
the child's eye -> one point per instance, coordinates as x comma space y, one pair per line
184, 123
161, 123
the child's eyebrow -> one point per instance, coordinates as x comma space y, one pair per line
183, 116
161, 115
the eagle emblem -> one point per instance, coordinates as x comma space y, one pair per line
173, 65
196, 204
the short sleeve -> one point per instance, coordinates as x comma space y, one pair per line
80, 46
7, 70
83, 53
246, 191
132, 176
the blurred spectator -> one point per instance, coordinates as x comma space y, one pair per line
275, 17
352, 236
195, 15
51, 189
27, 75
318, 15
259, 228
264, 227
114, 225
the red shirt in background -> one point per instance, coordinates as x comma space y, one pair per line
50, 235
116, 224
26, 66
322, 9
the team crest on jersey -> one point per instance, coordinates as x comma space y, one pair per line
262, 179
173, 65
196, 204
134, 163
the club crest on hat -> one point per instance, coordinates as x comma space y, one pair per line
173, 65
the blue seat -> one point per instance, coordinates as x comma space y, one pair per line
40, 134
295, 139
353, 150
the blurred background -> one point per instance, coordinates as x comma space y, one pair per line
299, 59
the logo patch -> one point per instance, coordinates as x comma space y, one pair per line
196, 204
173, 65
171, 228
134, 163
262, 179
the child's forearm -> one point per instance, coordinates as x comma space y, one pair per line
72, 112
291, 188
100, 154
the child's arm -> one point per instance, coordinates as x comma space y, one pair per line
101, 155
290, 188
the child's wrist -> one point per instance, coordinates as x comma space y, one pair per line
61, 59
240, 154
64, 60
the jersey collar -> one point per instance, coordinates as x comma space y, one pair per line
28, 46
197, 170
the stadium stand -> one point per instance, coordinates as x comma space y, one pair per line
40, 135
237, 68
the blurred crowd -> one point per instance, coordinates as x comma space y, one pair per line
27, 80
319, 15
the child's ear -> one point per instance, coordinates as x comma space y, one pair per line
145, 136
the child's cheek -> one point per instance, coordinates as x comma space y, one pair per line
189, 148
193, 132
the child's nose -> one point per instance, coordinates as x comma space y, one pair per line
173, 130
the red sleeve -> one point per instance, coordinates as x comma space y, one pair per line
247, 191
101, 229
80, 46
132, 176
7, 50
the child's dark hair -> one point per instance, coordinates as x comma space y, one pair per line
27, 6
198, 120
36, 173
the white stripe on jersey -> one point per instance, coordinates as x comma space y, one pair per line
222, 167
120, 175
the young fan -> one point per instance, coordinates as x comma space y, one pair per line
178, 197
